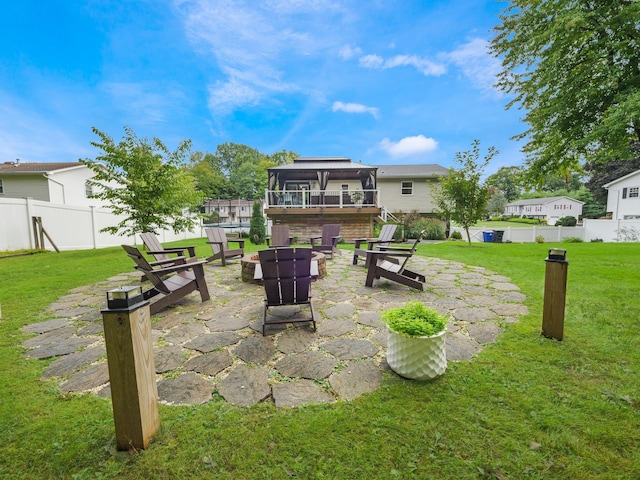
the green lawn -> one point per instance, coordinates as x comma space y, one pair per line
525, 408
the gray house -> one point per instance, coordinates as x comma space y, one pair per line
409, 188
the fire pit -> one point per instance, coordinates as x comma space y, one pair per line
249, 263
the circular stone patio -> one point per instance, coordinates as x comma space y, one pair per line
216, 348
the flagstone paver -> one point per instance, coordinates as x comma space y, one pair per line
202, 348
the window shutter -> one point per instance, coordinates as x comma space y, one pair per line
624, 193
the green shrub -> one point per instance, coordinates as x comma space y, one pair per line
572, 240
456, 235
539, 238
531, 221
568, 221
433, 229
414, 319
596, 240
257, 230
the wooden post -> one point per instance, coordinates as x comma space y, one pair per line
555, 292
134, 394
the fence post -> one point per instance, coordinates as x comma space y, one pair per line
555, 293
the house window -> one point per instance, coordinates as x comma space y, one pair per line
88, 189
407, 188
633, 192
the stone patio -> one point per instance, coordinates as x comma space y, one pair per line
215, 348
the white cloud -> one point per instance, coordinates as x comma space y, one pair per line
475, 61
355, 108
408, 146
423, 65
347, 52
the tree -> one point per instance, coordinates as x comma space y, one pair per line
496, 203
601, 174
509, 181
144, 182
461, 197
257, 231
574, 67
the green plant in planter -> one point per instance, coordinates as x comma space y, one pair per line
414, 320
357, 196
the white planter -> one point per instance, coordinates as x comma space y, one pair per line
417, 358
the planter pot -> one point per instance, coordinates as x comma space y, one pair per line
417, 358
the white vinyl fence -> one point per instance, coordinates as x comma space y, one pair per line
70, 228
605, 230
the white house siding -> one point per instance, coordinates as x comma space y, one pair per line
23, 186
623, 200
563, 207
548, 208
421, 199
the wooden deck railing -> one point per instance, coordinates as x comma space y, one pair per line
322, 198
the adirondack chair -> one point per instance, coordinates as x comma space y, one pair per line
217, 238
162, 254
384, 238
286, 273
390, 263
171, 282
328, 241
279, 236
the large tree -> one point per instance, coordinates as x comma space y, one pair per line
574, 67
461, 196
509, 181
144, 182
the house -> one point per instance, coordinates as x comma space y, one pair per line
623, 197
549, 209
232, 212
409, 188
63, 182
313, 191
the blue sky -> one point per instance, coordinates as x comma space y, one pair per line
382, 82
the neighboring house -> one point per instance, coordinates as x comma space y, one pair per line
549, 209
63, 182
409, 188
236, 211
623, 197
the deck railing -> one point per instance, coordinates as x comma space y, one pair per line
322, 198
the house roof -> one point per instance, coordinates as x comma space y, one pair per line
629, 175
426, 170
34, 167
323, 163
541, 201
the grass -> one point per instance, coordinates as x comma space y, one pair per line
525, 408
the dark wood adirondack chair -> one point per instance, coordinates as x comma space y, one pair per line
279, 236
328, 241
171, 282
217, 238
390, 263
384, 238
162, 254
286, 273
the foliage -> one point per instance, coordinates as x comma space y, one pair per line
509, 181
573, 67
235, 170
572, 240
456, 235
144, 182
461, 197
603, 173
398, 235
629, 234
531, 221
497, 202
257, 230
568, 221
414, 320
539, 238
428, 228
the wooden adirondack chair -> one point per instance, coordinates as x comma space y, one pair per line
217, 238
390, 263
171, 282
279, 236
286, 273
384, 238
162, 254
328, 241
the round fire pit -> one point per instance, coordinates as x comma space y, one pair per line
249, 263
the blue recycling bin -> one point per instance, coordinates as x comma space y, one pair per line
487, 236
